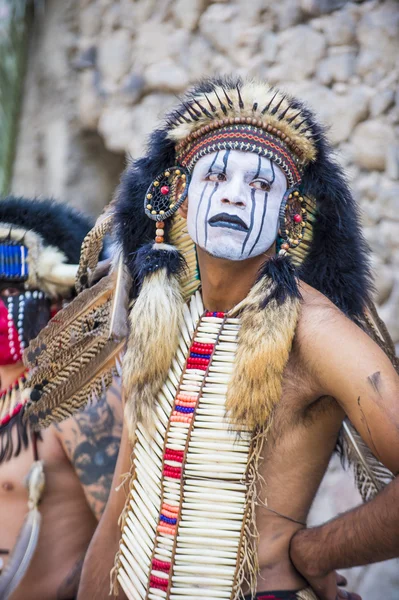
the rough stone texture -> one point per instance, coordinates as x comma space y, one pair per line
101, 72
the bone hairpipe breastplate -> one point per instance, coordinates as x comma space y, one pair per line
186, 515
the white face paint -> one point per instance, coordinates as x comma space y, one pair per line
233, 204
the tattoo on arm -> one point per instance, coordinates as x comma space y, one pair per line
92, 444
375, 382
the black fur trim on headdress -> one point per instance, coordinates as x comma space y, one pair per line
338, 262
149, 259
282, 272
58, 224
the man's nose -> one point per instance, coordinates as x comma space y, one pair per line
234, 201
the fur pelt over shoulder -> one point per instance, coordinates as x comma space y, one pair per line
58, 224
337, 263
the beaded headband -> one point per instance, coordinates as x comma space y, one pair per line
246, 135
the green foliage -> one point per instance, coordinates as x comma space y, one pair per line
13, 26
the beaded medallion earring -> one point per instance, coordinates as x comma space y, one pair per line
293, 219
164, 196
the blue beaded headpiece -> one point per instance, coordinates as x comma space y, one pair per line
13, 261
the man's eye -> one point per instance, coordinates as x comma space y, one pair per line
10, 291
261, 184
215, 177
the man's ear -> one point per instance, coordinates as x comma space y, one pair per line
183, 209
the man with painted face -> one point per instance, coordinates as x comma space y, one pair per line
54, 484
253, 350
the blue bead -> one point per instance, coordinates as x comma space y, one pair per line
168, 520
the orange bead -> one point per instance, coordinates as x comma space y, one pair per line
159, 239
160, 224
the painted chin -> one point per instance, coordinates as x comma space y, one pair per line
226, 246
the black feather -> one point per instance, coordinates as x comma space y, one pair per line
229, 100
211, 106
240, 102
204, 110
270, 103
222, 106
275, 109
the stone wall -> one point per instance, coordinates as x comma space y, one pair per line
102, 71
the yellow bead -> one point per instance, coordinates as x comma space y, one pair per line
161, 212
290, 196
183, 185
149, 206
177, 172
296, 193
149, 196
183, 176
156, 183
153, 212
171, 205
167, 173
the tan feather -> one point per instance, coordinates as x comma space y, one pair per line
370, 475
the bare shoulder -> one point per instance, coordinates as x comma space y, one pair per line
320, 318
91, 441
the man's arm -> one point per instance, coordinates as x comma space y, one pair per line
91, 441
350, 367
95, 580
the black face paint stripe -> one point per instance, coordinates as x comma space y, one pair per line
213, 162
253, 204
264, 211
225, 161
207, 211
198, 209
261, 223
202, 194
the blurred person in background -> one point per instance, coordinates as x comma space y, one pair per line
53, 484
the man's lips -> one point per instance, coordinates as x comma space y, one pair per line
228, 221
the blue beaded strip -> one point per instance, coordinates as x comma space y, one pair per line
168, 520
196, 355
184, 409
13, 261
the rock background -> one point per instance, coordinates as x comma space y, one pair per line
102, 71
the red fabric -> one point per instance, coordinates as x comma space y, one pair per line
6, 357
